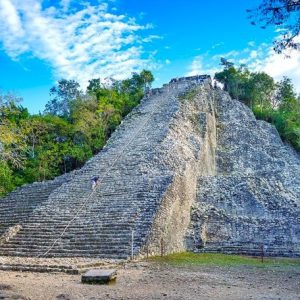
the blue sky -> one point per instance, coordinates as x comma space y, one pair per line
42, 41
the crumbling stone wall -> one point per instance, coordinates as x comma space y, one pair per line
254, 198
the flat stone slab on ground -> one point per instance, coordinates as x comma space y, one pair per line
99, 276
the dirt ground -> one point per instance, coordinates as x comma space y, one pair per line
155, 281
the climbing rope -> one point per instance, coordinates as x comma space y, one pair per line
100, 181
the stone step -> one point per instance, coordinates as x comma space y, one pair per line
250, 251
73, 253
39, 269
79, 234
75, 237
88, 228
70, 240
68, 246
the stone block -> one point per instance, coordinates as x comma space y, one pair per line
99, 276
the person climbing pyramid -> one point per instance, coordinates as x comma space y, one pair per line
95, 182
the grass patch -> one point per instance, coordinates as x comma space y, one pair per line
189, 95
195, 259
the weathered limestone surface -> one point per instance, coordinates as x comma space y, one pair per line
192, 141
254, 198
189, 168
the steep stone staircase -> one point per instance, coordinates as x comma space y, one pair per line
18, 205
68, 219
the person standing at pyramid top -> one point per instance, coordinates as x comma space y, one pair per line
95, 182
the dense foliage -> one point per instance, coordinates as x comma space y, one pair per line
273, 102
74, 126
283, 14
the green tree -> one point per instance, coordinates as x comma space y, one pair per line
94, 86
88, 126
33, 129
286, 95
234, 80
282, 14
12, 141
63, 94
254, 89
273, 102
6, 178
260, 90
147, 79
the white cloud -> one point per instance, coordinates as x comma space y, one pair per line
198, 67
253, 54
230, 54
65, 4
151, 38
217, 45
278, 65
80, 44
11, 28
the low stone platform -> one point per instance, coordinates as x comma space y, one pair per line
46, 265
99, 276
